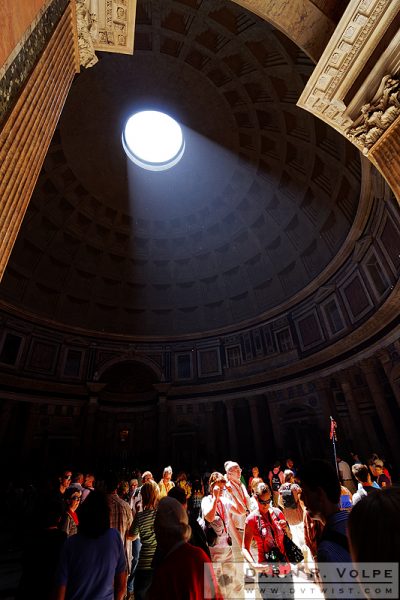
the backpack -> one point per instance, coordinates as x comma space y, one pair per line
276, 482
288, 499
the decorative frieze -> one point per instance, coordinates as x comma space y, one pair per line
354, 78
104, 25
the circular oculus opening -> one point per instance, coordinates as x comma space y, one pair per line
153, 140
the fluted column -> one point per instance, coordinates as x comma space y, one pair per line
211, 432
5, 419
163, 433
355, 415
27, 132
328, 408
33, 415
276, 427
377, 393
255, 425
92, 408
233, 441
386, 362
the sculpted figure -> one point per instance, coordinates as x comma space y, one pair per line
377, 115
85, 22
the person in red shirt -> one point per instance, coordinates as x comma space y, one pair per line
184, 572
267, 526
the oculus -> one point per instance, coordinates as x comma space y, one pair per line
153, 140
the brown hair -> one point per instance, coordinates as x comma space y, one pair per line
360, 472
150, 494
214, 477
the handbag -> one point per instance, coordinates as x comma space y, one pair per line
293, 552
210, 533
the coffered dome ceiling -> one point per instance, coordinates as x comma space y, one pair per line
259, 205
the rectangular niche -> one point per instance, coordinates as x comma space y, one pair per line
309, 330
11, 349
284, 340
334, 318
356, 297
73, 363
209, 362
233, 356
184, 366
390, 242
376, 274
269, 340
42, 356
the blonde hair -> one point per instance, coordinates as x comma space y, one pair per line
288, 475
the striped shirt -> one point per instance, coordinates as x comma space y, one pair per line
143, 525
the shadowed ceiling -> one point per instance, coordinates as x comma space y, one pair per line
259, 205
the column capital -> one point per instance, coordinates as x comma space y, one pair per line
95, 388
162, 389
323, 384
383, 355
368, 365
253, 400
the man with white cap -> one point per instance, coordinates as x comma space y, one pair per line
237, 492
240, 497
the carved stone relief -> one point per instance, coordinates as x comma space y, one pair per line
353, 77
105, 25
377, 115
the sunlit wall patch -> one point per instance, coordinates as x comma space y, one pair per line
153, 140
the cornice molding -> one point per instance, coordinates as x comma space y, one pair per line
353, 64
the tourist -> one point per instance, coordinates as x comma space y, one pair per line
363, 476
166, 484
69, 522
92, 563
185, 571
143, 528
321, 495
276, 479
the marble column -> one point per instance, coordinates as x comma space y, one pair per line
359, 441
327, 406
92, 407
210, 434
255, 425
32, 419
386, 362
233, 439
276, 427
163, 432
6, 415
378, 396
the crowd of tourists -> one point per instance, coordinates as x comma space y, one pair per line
210, 536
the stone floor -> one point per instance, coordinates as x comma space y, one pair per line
10, 558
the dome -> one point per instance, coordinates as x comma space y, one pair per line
258, 206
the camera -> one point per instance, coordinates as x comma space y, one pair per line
274, 555
229, 540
